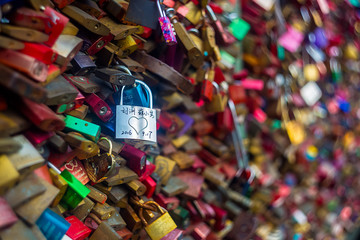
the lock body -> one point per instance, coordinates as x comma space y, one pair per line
89, 130
162, 226
134, 122
75, 193
52, 225
99, 107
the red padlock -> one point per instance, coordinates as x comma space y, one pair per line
41, 116
39, 52
150, 186
136, 159
207, 90
38, 137
29, 18
99, 107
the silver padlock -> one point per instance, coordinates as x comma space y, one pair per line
136, 122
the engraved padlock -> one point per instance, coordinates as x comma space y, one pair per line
101, 165
161, 226
166, 27
136, 122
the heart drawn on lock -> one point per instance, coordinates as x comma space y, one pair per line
136, 123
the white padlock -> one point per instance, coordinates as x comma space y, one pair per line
136, 122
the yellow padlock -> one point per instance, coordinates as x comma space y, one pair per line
218, 102
161, 226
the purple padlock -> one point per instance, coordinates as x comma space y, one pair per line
321, 40
166, 26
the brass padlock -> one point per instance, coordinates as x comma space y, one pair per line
101, 165
161, 226
218, 102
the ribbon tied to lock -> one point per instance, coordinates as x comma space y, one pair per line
136, 122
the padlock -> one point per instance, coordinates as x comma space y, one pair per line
218, 102
104, 229
120, 31
181, 217
99, 107
66, 46
118, 75
96, 195
125, 233
134, 122
76, 191
52, 225
166, 26
77, 169
24, 63
8, 217
86, 20
91, 8
11, 79
82, 64
39, 52
32, 209
24, 34
88, 129
208, 37
150, 186
121, 175
136, 187
116, 221
82, 211
27, 158
60, 92
182, 159
78, 230
174, 187
83, 83
118, 194
26, 17
93, 43
164, 168
100, 166
12, 175
103, 211
10, 43
161, 226
133, 222
195, 182
136, 159
60, 183
86, 148
37, 137
223, 37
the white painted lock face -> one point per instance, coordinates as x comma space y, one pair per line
311, 93
134, 122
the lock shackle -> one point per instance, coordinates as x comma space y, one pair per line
236, 134
211, 13
141, 215
161, 12
216, 86
136, 201
122, 68
110, 144
146, 88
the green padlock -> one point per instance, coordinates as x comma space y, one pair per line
88, 129
161, 226
75, 192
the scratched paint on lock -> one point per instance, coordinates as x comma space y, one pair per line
134, 122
